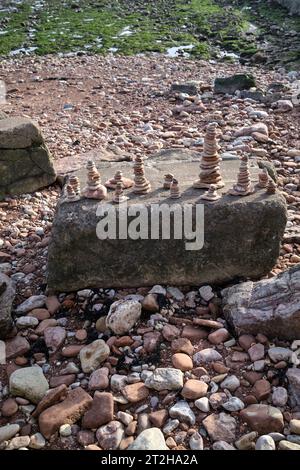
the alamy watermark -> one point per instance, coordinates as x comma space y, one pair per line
154, 222
2, 92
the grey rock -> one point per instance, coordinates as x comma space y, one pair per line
183, 412
29, 383
278, 354
92, 355
150, 439
8, 431
233, 404
279, 396
110, 435
2, 353
196, 441
293, 376
190, 88
170, 426
292, 5
270, 307
37, 441
165, 379
230, 383
7, 294
265, 443
19, 133
246, 442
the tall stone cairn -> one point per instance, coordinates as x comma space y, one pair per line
210, 161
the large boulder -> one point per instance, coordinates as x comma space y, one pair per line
250, 228
7, 294
270, 306
26, 164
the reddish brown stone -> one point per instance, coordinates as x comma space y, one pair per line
51, 398
72, 351
81, 335
250, 400
170, 332
199, 371
125, 443
218, 336
263, 418
101, 412
99, 379
131, 428
135, 392
62, 379
54, 337
52, 304
246, 341
85, 438
9, 407
220, 368
16, 347
252, 376
67, 412
21, 361
158, 418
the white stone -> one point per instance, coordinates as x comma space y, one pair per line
123, 315
222, 445
125, 418
165, 379
92, 355
175, 293
157, 290
29, 383
150, 439
202, 404
265, 443
35, 301
182, 411
196, 441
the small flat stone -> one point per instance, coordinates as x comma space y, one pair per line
206, 356
170, 332
92, 355
110, 436
9, 407
150, 439
202, 404
220, 427
54, 337
278, 354
261, 389
101, 411
231, 383
165, 379
182, 345
35, 301
218, 336
99, 379
233, 404
193, 333
8, 431
256, 352
286, 445
50, 398
16, 347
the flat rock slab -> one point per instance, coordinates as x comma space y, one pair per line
25, 161
270, 307
241, 234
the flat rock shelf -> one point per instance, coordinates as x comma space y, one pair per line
241, 234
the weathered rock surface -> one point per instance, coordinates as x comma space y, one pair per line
93, 261
220, 427
7, 294
66, 412
123, 315
26, 164
165, 379
150, 439
92, 355
29, 383
270, 307
232, 84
